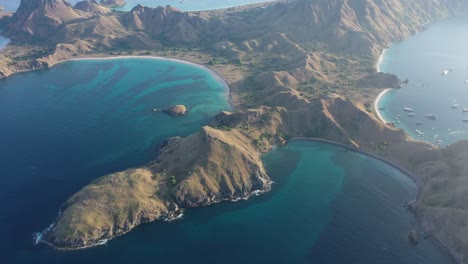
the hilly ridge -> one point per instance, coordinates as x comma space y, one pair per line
293, 57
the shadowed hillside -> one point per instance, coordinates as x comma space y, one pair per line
300, 68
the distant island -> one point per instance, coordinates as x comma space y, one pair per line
296, 69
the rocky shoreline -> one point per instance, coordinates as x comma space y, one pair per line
280, 97
46, 237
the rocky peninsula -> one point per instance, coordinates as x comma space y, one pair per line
300, 68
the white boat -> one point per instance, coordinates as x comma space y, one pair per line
431, 116
419, 132
411, 114
407, 109
455, 106
465, 109
445, 72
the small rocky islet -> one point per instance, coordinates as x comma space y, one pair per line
176, 110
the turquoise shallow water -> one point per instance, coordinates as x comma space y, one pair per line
185, 5
422, 59
60, 128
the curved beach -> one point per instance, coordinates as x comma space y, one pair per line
215, 74
376, 105
379, 97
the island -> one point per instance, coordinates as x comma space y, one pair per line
176, 110
296, 69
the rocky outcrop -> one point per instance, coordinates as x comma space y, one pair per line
91, 6
177, 110
167, 23
113, 3
360, 27
379, 80
205, 168
39, 19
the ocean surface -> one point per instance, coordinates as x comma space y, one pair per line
63, 127
422, 59
328, 205
3, 42
185, 5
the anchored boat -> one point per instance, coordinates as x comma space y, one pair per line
407, 109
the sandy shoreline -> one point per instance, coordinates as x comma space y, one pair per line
380, 60
215, 74
379, 97
376, 105
417, 180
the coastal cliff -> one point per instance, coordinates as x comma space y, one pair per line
290, 67
214, 165
205, 168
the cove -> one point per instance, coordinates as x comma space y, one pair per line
422, 59
63, 127
328, 205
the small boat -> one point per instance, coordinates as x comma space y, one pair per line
419, 132
445, 72
465, 120
431, 116
411, 114
381, 108
465, 109
407, 109
419, 123
455, 106
466, 81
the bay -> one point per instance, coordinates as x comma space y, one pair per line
63, 127
422, 59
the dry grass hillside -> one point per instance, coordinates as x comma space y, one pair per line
210, 166
301, 68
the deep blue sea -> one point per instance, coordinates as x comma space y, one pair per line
63, 127
185, 5
422, 59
